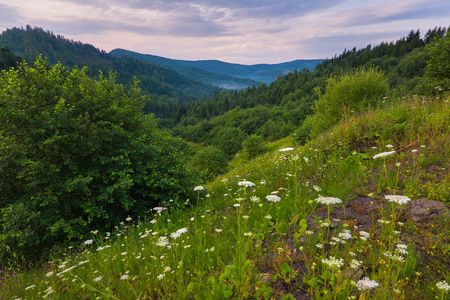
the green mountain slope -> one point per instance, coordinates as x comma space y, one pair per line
183, 67
155, 80
224, 74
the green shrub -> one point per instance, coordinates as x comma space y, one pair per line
209, 162
438, 66
229, 140
253, 146
348, 94
77, 155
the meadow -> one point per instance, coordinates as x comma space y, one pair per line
323, 220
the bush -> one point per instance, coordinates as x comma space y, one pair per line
77, 155
439, 64
347, 94
253, 146
209, 162
229, 140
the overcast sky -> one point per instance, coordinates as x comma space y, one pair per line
239, 31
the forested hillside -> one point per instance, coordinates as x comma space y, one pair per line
222, 74
274, 111
167, 88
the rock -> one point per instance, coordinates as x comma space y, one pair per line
422, 209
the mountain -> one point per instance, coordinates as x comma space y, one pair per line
223, 74
154, 79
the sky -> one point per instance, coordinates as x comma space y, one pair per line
236, 31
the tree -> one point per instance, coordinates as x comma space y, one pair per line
439, 64
209, 162
76, 155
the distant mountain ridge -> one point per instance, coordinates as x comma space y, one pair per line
223, 74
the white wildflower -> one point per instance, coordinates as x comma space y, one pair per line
97, 279
333, 262
246, 183
397, 199
199, 188
273, 198
366, 284
124, 277
354, 264
286, 149
328, 200
383, 154
443, 285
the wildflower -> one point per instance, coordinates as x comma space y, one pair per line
236, 205
383, 222
383, 154
319, 245
286, 149
182, 230
245, 217
159, 209
153, 221
366, 284
364, 235
414, 150
354, 264
218, 230
124, 277
248, 233
175, 235
389, 146
186, 246
30, 287
254, 199
345, 235
325, 224
394, 256
88, 242
400, 223
124, 253
443, 285
66, 270
167, 269
161, 276
273, 198
397, 199
328, 200
128, 219
246, 183
309, 232
317, 188
162, 242
306, 159
198, 188
402, 248
97, 279
268, 217
333, 262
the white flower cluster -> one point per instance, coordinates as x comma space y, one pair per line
397, 199
286, 149
443, 285
383, 154
354, 264
364, 235
328, 200
198, 188
162, 241
246, 183
402, 248
394, 256
333, 262
366, 284
273, 198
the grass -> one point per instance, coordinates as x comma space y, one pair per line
234, 243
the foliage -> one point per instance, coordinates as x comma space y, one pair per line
8, 59
78, 155
439, 64
209, 162
346, 95
253, 146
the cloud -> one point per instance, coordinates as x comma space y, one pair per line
393, 11
8, 15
